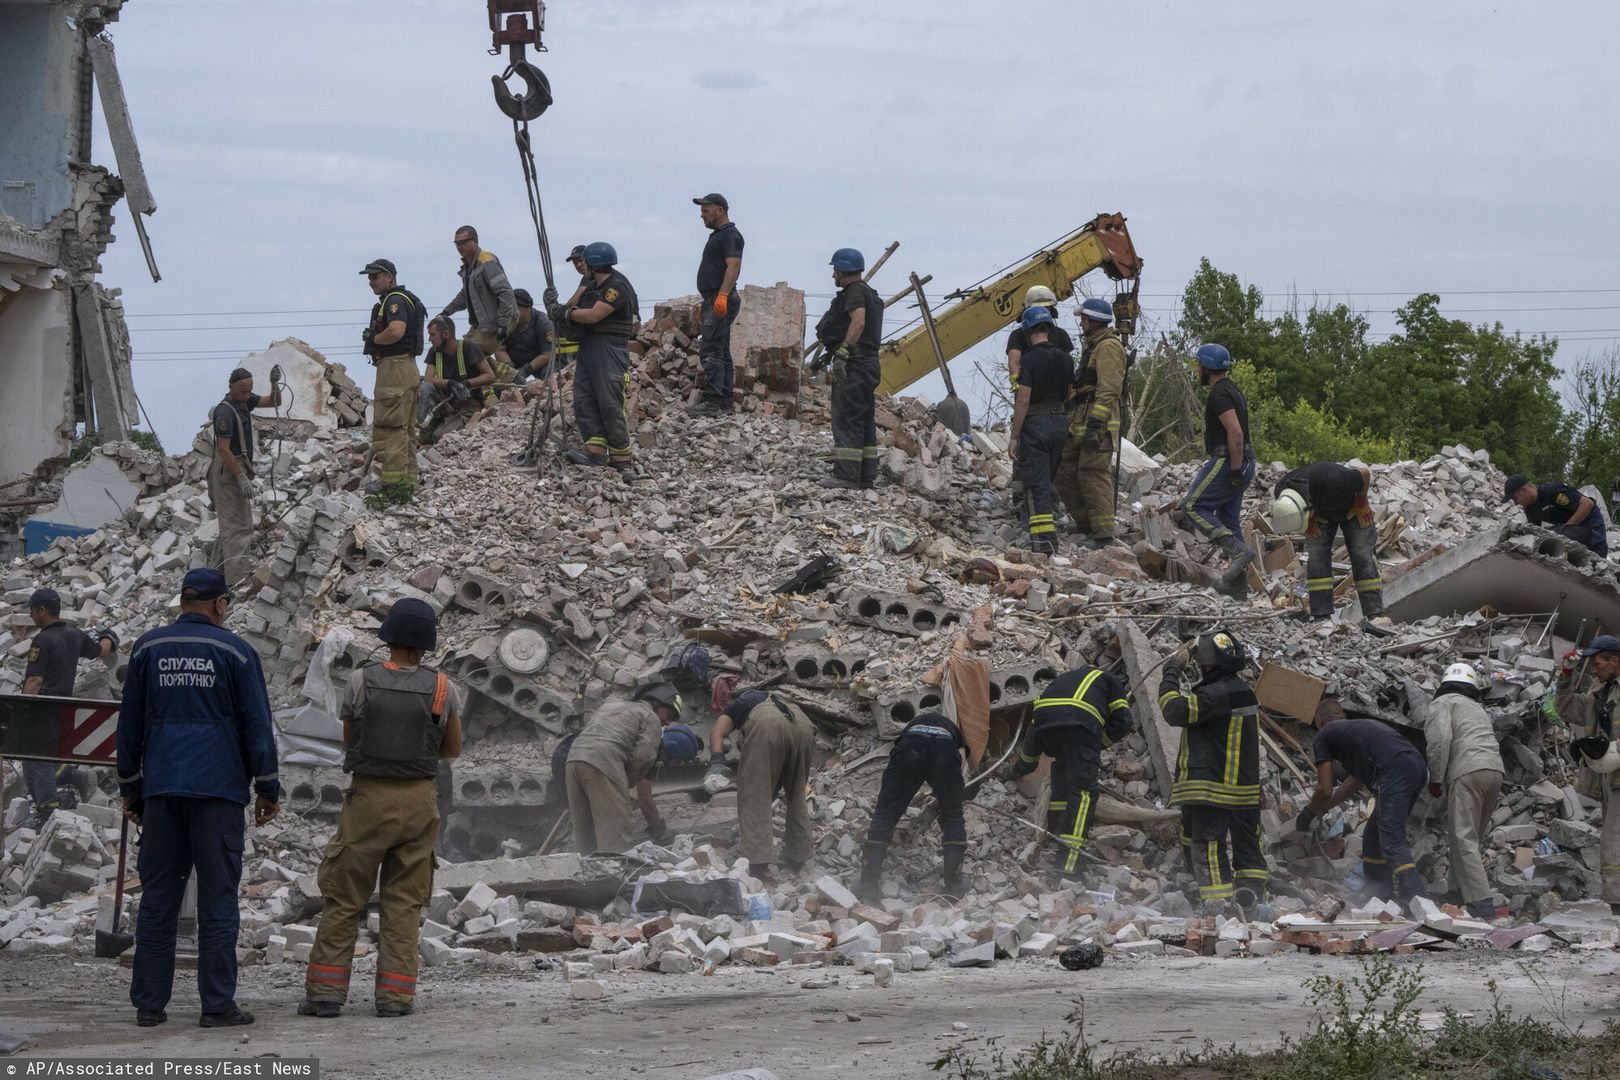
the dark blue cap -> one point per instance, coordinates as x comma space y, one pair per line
205, 583
1512, 484
1602, 643
744, 703
46, 598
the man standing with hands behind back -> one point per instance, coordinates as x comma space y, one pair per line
717, 285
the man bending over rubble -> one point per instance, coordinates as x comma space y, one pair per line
1561, 509
930, 750
1596, 714
1320, 499
777, 742
610, 758
1465, 769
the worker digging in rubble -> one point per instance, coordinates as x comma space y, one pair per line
456, 380
717, 274
1381, 761
1085, 480
606, 315
777, 743
610, 760
1079, 713
392, 341
1560, 509
1465, 772
851, 330
1040, 426
53, 663
230, 472
1214, 503
1595, 714
532, 343
195, 745
1036, 296
486, 296
400, 719
1319, 500
929, 750
1217, 779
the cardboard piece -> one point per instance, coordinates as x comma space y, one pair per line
1284, 692
967, 696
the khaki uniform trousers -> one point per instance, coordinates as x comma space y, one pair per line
602, 810
490, 344
1609, 842
387, 826
233, 511
1470, 799
775, 755
1085, 483
393, 419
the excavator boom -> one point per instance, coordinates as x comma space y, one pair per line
1102, 243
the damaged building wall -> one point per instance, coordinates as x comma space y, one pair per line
36, 411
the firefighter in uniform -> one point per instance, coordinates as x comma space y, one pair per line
1594, 716
607, 314
400, 719
1086, 477
930, 750
1320, 499
1079, 713
1036, 296
851, 330
610, 760
1214, 503
1039, 425
195, 744
486, 295
53, 663
1562, 509
456, 378
393, 340
1465, 770
777, 743
568, 336
1217, 781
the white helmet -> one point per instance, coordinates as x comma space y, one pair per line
1288, 511
1609, 762
1463, 674
1040, 296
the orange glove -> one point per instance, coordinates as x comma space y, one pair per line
722, 304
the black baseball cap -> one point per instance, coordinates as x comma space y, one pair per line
204, 583
49, 599
713, 198
523, 298
379, 266
1512, 484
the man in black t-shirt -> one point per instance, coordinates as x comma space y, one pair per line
1040, 426
230, 474
53, 663
1214, 503
1319, 499
929, 751
1036, 296
851, 330
456, 380
1562, 509
607, 314
717, 286
531, 342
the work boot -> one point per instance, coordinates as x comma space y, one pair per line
394, 1008
626, 470
1483, 910
581, 456
1234, 581
1410, 883
324, 1009
704, 408
954, 884
871, 887
1043, 547
150, 1017
838, 483
232, 1017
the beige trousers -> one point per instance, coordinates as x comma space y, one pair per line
1470, 800
233, 510
603, 813
775, 755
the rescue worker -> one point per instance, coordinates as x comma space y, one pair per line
486, 296
566, 335
1214, 503
930, 749
1562, 509
194, 746
1079, 713
456, 377
851, 330
230, 473
609, 760
1086, 477
606, 315
400, 719
1040, 425
1320, 499
393, 340
717, 275
1381, 761
1593, 715
1465, 771
777, 743
53, 663
532, 342
1036, 296
1217, 779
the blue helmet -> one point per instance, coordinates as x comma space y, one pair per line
410, 624
1035, 316
1213, 358
600, 255
681, 743
848, 261
1097, 308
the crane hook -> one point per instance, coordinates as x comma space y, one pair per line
536, 97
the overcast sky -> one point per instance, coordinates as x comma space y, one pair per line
1367, 153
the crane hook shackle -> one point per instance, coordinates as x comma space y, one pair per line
536, 97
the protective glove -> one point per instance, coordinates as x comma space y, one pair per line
557, 312
1569, 661
840, 366
366, 336
1022, 768
460, 392
718, 775
1590, 747
275, 376
106, 635
842, 351
722, 304
1305, 819
1093, 440
659, 831
1435, 789
548, 297
1182, 656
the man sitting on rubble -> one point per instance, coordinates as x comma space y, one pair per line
929, 750
610, 758
532, 342
1595, 713
1560, 509
1079, 713
777, 743
1319, 499
1465, 770
454, 380
1380, 760
1217, 782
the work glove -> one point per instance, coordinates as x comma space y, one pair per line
1022, 768
840, 364
548, 297
659, 831
1570, 661
365, 336
275, 376
718, 775
106, 635
1306, 818
1435, 789
558, 312
722, 304
1182, 656
460, 392
1590, 747
1093, 439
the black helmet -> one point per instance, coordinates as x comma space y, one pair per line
410, 624
1220, 650
661, 693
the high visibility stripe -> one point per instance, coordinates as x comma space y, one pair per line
1218, 888
441, 693
397, 981
1119, 703
1077, 700
1254, 875
869, 452
597, 441
1370, 585
1234, 744
1319, 585
1211, 526
1609, 870
325, 973
1074, 840
1372, 861
847, 453
1405, 866
1025, 757
1215, 892
1058, 804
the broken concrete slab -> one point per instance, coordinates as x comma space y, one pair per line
574, 880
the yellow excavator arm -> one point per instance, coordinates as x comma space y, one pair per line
982, 310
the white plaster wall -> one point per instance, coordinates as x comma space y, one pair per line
305, 376
36, 372
94, 493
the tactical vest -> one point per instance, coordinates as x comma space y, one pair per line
398, 735
415, 322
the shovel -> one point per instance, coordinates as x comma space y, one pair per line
953, 411
112, 943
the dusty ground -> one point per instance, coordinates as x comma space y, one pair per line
683, 1027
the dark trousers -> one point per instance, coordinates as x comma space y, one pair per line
601, 395
178, 835
1215, 500
1221, 845
1076, 753
1594, 535
1040, 452
43, 778
715, 353
1361, 541
854, 421
1386, 855
1248, 847
914, 761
